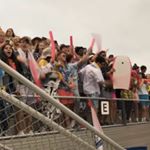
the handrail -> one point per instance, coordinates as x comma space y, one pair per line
87, 98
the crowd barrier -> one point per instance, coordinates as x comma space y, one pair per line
124, 111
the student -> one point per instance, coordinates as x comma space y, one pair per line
38, 50
9, 35
50, 80
143, 94
134, 86
25, 125
66, 84
2, 38
92, 80
107, 91
7, 56
16, 43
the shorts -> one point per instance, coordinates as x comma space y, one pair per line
65, 101
27, 95
95, 101
144, 97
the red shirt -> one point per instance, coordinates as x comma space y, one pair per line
12, 64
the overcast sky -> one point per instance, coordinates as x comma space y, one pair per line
123, 24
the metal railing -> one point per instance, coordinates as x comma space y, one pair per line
121, 113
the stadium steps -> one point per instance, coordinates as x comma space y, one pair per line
127, 136
46, 141
130, 135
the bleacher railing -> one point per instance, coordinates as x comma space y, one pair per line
109, 143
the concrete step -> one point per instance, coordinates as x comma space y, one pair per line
130, 135
127, 136
46, 141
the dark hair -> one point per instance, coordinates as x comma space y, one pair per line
26, 39
56, 42
37, 50
13, 34
35, 39
63, 46
101, 53
80, 50
69, 58
4, 58
99, 59
43, 38
143, 67
135, 67
7, 43
60, 54
111, 56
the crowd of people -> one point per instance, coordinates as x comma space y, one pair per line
76, 71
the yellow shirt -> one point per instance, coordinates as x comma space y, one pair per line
42, 63
148, 88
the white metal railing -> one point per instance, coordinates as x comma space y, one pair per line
43, 118
4, 147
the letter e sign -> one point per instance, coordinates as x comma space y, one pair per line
104, 108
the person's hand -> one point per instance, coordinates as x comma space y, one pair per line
72, 85
89, 51
145, 81
112, 70
20, 59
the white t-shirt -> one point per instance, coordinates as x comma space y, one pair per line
91, 76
